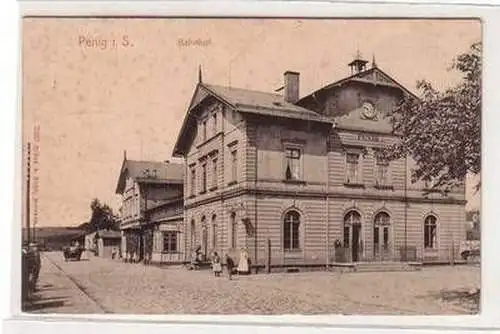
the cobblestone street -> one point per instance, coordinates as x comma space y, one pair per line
117, 287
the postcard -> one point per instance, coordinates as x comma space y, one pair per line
251, 166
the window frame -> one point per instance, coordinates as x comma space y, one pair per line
203, 177
431, 241
292, 242
204, 130
214, 232
234, 229
288, 159
192, 181
359, 176
214, 123
234, 165
214, 173
172, 238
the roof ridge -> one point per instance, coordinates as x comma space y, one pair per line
245, 89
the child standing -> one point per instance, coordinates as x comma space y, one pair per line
216, 265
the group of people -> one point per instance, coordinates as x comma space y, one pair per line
243, 267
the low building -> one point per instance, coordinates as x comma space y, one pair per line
108, 243
167, 231
150, 193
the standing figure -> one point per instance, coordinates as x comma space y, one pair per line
37, 263
216, 264
243, 267
229, 266
195, 258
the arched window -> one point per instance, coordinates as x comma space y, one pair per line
193, 234
214, 232
350, 219
234, 230
430, 232
381, 226
291, 226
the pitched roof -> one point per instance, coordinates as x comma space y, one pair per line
150, 172
248, 102
373, 75
353, 119
251, 101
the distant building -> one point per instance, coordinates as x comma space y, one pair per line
305, 174
107, 243
152, 195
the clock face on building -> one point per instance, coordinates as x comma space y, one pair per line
368, 110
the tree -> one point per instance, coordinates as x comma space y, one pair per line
441, 131
102, 217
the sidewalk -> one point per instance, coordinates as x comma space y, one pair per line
57, 293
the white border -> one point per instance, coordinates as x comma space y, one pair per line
488, 319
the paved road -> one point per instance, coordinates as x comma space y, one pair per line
134, 288
58, 293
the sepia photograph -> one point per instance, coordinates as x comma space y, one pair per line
250, 166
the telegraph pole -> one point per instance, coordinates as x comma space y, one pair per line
28, 188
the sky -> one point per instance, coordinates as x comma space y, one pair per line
94, 87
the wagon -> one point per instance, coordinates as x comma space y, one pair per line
73, 253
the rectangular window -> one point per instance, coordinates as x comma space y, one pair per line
375, 236
170, 242
234, 165
352, 170
214, 124
292, 168
382, 171
214, 173
193, 181
203, 177
204, 129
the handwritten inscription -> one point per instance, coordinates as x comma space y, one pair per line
92, 42
35, 179
193, 42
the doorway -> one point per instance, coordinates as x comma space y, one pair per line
381, 237
356, 229
352, 234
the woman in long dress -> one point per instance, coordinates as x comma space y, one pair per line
216, 264
243, 263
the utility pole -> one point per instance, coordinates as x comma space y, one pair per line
28, 188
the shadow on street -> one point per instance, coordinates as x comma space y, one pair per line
39, 303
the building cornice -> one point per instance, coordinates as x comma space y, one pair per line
321, 195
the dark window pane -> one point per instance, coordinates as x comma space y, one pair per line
346, 236
286, 235
375, 235
386, 237
295, 236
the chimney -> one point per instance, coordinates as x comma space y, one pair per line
291, 86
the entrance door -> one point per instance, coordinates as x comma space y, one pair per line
352, 234
381, 237
356, 228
